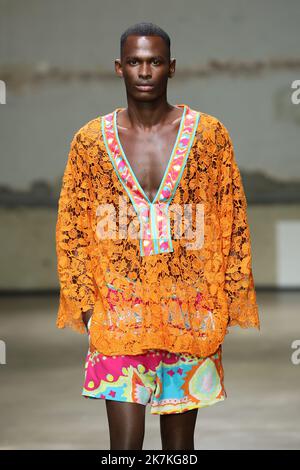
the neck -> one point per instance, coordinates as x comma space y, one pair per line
146, 115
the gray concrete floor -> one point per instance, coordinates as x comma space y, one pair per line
42, 406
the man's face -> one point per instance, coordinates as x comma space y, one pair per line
145, 60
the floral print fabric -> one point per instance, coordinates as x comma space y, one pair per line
196, 279
169, 382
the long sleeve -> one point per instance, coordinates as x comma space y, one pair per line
73, 243
236, 242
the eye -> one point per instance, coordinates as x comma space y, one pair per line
157, 61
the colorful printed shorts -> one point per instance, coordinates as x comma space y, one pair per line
170, 382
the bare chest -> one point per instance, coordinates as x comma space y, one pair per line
148, 155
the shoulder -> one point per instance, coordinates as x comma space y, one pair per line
88, 133
212, 128
84, 144
214, 138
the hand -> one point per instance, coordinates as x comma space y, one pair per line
86, 317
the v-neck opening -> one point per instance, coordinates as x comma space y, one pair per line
154, 218
184, 106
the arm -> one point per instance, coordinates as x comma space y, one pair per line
73, 244
236, 242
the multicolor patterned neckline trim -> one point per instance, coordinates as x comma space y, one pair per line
154, 219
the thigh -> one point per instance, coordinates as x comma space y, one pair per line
126, 425
126, 382
177, 430
186, 381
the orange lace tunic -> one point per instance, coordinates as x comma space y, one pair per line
173, 273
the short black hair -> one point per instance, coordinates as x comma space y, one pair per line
145, 29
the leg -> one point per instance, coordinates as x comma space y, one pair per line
126, 425
177, 430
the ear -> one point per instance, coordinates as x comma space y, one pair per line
172, 67
118, 68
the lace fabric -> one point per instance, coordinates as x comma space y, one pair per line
182, 299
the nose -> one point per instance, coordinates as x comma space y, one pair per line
145, 70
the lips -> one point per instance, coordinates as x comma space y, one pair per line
145, 87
